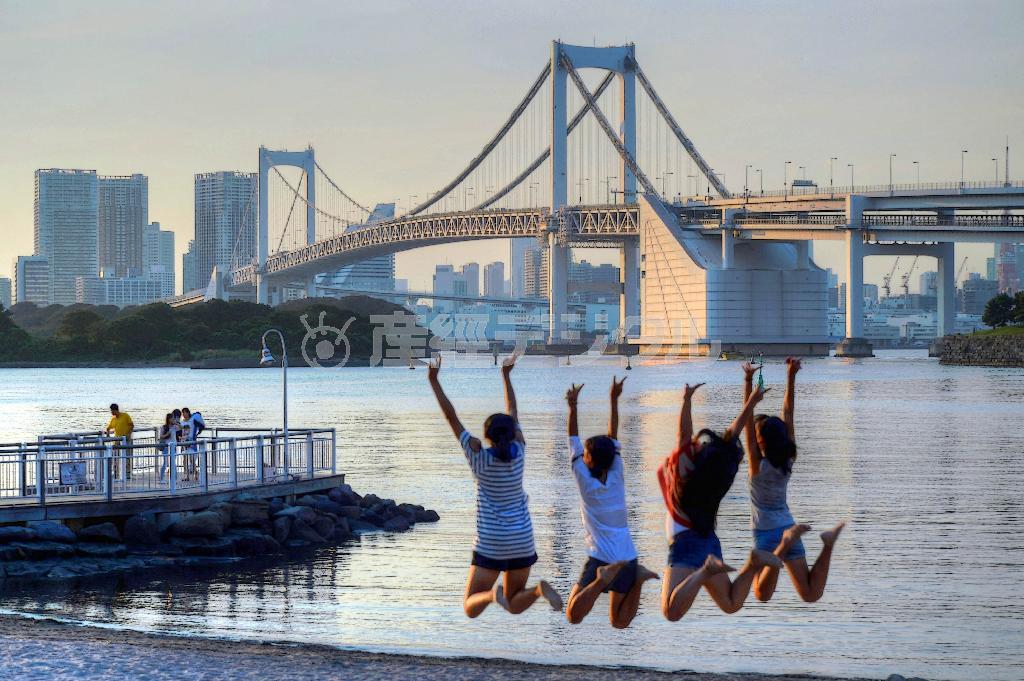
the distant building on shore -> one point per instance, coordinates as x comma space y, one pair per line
494, 280
123, 216
66, 228
224, 203
158, 257
975, 293
32, 280
5, 293
374, 274
119, 291
189, 268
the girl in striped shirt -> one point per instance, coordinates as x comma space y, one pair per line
504, 533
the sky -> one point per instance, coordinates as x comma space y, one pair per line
396, 97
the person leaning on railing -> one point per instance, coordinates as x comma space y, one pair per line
122, 426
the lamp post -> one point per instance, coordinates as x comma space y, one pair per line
917, 168
850, 166
831, 184
746, 180
608, 186
760, 180
995, 161
891, 157
694, 178
266, 359
803, 172
963, 155
785, 171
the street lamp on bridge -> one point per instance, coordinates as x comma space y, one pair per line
831, 184
760, 180
746, 180
785, 177
608, 186
963, 155
917, 169
996, 162
891, 157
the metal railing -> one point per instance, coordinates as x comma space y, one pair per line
92, 467
825, 190
926, 220
828, 219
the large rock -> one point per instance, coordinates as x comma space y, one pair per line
48, 530
303, 513
41, 550
276, 505
252, 543
212, 547
304, 532
247, 512
8, 552
369, 500
100, 549
344, 495
29, 569
352, 512
427, 516
320, 503
11, 533
141, 529
282, 528
202, 524
396, 524
104, 532
358, 527
324, 526
226, 513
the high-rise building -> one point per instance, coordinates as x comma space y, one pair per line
67, 228
375, 274
590, 283
990, 268
119, 291
32, 280
976, 292
1006, 268
471, 273
535, 273
224, 204
123, 215
5, 293
189, 280
494, 279
158, 256
517, 264
929, 283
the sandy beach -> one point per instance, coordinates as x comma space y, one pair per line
46, 649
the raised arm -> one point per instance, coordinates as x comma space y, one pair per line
686, 415
613, 417
788, 402
571, 396
446, 406
510, 394
753, 451
746, 415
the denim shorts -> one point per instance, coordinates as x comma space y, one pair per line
768, 540
623, 581
689, 549
503, 564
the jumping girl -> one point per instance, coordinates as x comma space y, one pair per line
504, 533
771, 448
694, 479
612, 564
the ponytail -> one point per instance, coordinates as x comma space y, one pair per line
779, 449
501, 430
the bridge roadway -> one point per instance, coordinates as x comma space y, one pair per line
906, 215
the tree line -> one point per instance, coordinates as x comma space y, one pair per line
1004, 310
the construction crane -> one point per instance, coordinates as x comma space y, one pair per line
960, 271
888, 277
906, 277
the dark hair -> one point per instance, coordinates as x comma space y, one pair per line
501, 430
779, 448
176, 413
715, 467
184, 409
602, 453
167, 419
114, 407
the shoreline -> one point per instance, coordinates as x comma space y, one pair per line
36, 646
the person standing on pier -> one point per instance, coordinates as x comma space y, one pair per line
122, 426
694, 479
504, 532
771, 449
612, 566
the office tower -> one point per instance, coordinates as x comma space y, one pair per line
189, 280
871, 294
1006, 268
158, 257
928, 283
32, 280
225, 202
517, 264
535, 273
123, 215
990, 268
119, 291
471, 273
448, 282
494, 279
5, 293
590, 283
374, 274
976, 292
67, 228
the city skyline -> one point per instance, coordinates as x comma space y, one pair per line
856, 100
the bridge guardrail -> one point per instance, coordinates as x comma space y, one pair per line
822, 190
919, 220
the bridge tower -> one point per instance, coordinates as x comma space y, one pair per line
268, 159
622, 61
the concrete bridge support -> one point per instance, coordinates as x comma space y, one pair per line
629, 299
268, 159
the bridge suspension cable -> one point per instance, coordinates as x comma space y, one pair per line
544, 155
681, 136
588, 97
490, 145
340, 190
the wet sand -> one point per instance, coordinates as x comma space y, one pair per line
45, 649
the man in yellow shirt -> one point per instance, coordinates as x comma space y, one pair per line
121, 425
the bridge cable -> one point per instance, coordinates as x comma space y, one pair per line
317, 209
687, 143
539, 161
489, 147
627, 158
341, 191
295, 199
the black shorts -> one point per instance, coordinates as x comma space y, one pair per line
623, 581
503, 565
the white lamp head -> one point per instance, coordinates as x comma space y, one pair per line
266, 358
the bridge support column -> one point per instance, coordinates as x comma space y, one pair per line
629, 299
728, 247
558, 289
946, 307
311, 287
262, 290
627, 127
854, 345
803, 255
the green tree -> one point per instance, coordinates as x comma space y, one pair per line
998, 311
1018, 308
80, 326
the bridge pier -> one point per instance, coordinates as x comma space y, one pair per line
629, 298
854, 344
262, 290
946, 308
558, 289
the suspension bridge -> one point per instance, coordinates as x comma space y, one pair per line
606, 164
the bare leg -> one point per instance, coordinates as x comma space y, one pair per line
581, 600
768, 577
520, 598
479, 590
731, 596
682, 585
624, 606
810, 585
